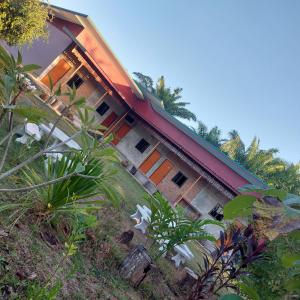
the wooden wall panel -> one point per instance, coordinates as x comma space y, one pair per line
150, 161
161, 172
57, 72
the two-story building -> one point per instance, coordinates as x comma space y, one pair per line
161, 152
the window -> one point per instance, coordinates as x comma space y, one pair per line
179, 179
129, 119
76, 80
102, 109
142, 145
217, 212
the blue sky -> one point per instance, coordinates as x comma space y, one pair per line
238, 62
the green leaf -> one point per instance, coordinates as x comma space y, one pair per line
31, 113
289, 260
248, 291
293, 284
19, 59
279, 194
240, 206
231, 297
29, 68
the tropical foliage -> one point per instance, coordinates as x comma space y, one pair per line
212, 135
237, 249
171, 99
170, 228
22, 21
265, 164
273, 276
275, 216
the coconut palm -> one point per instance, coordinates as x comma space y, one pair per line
170, 98
213, 135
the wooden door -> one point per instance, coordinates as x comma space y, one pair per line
120, 133
149, 162
161, 172
109, 119
57, 72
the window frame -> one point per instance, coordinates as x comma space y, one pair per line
180, 176
73, 81
144, 146
106, 109
217, 212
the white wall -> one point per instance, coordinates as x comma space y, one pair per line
205, 201
113, 107
127, 145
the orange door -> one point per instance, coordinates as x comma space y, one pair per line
57, 72
120, 133
110, 119
161, 172
149, 162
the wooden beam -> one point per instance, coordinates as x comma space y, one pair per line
187, 191
115, 125
101, 98
73, 73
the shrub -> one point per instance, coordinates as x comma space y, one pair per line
170, 228
87, 185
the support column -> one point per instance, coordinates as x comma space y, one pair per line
187, 191
101, 98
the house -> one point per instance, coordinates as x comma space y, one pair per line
161, 152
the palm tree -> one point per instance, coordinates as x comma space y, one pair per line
287, 179
213, 135
263, 163
170, 98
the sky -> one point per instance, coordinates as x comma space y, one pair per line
237, 61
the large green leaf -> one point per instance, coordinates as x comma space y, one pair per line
248, 291
29, 68
240, 206
289, 260
293, 284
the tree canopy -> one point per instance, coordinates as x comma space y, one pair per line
265, 164
170, 98
22, 21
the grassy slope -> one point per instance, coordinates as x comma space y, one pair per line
92, 272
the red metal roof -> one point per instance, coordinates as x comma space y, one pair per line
108, 65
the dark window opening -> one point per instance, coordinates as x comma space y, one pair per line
179, 179
129, 119
76, 81
142, 145
217, 212
102, 109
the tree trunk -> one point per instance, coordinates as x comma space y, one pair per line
136, 265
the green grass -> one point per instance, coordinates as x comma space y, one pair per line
87, 272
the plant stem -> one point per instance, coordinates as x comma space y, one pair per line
6, 150
55, 125
37, 155
8, 135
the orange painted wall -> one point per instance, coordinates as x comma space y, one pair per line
120, 133
57, 72
161, 172
109, 119
150, 161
